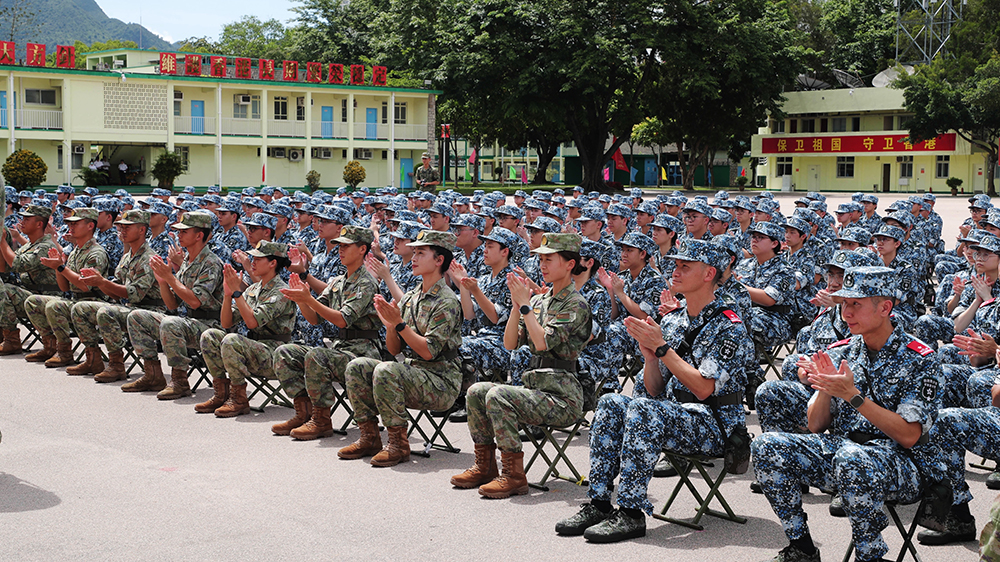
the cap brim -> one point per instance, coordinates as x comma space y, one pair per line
257, 253
181, 226
128, 222
544, 250
74, 219
854, 294
344, 240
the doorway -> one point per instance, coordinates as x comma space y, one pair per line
886, 177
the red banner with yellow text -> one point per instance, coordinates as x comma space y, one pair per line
856, 144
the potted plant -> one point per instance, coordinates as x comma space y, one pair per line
741, 181
954, 184
354, 174
312, 180
167, 168
24, 169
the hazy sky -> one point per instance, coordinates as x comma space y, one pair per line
180, 19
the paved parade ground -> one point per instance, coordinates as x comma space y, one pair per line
90, 473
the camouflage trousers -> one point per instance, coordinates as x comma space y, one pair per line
783, 405
487, 353
958, 430
947, 267
388, 388
176, 334
865, 475
627, 436
97, 320
495, 410
768, 328
979, 390
989, 539
237, 356
313, 370
931, 328
12, 299
50, 316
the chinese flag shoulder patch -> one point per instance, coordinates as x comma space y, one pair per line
732, 316
840, 343
920, 347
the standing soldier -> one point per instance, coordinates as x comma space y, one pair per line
269, 318
426, 177
426, 327
51, 315
307, 373
195, 293
26, 264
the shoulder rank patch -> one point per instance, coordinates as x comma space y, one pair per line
920, 347
840, 343
989, 302
732, 316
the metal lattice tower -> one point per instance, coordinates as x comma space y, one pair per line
923, 28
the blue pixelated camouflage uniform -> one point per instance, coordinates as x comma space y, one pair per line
770, 325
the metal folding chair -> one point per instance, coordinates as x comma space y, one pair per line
31, 336
198, 366
340, 401
905, 532
271, 389
437, 438
684, 464
559, 456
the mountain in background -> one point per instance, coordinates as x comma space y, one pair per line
63, 22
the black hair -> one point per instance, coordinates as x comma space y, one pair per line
206, 233
448, 256
595, 266
578, 267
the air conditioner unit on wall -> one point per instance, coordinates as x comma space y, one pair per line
276, 152
300, 102
242, 99
178, 95
322, 153
77, 149
362, 154
295, 154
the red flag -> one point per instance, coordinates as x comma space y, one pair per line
619, 159
524, 175
472, 158
263, 173
607, 174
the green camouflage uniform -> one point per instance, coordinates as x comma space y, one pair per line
203, 275
549, 396
428, 175
989, 539
94, 320
388, 387
35, 278
51, 314
301, 368
242, 356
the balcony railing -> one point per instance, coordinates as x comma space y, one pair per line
416, 132
41, 119
240, 127
286, 128
329, 130
194, 125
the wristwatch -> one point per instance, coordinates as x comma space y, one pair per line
400, 327
525, 309
61, 268
662, 350
237, 294
857, 401
304, 275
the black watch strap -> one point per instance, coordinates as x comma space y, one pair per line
525, 309
400, 327
662, 350
237, 294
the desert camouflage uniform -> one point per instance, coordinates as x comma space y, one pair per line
550, 396
51, 315
387, 388
242, 356
34, 278
203, 275
314, 369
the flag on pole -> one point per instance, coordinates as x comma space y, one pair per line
524, 175
743, 172
663, 173
607, 174
513, 173
263, 173
620, 161
468, 174
632, 174
402, 176
472, 158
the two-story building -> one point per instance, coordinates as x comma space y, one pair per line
856, 140
228, 131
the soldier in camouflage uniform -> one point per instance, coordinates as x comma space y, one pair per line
134, 286
425, 326
106, 235
426, 177
556, 326
269, 318
26, 264
308, 374
195, 293
697, 353
397, 278
878, 378
771, 282
50, 314
159, 235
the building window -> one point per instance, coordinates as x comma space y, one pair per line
808, 126
300, 112
845, 166
183, 152
40, 97
343, 110
855, 123
281, 108
839, 124
941, 170
399, 113
76, 160
778, 126
784, 166
59, 158
906, 167
177, 108
904, 122
242, 111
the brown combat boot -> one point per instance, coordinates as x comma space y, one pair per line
319, 425
237, 405
511, 481
483, 472
63, 357
152, 378
115, 370
92, 365
178, 387
48, 350
303, 411
398, 449
370, 442
221, 387
11, 342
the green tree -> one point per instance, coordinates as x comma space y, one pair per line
354, 174
251, 37
863, 33
649, 133
24, 169
167, 168
198, 45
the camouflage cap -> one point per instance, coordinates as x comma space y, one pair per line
248, 192
41, 192
510, 210
542, 195
620, 210
593, 213
71, 204
930, 197
269, 249
212, 198
444, 240
280, 210
869, 198
91, 191
819, 206
721, 215
255, 202
816, 196
503, 237
768, 206
848, 207
974, 235
469, 220
108, 205
798, 224
188, 189
213, 189
160, 208
988, 242
301, 197
648, 207
855, 234
559, 242
134, 216
536, 204
904, 218
404, 215
70, 189
697, 207
743, 202
981, 201
407, 230
730, 243
804, 201
195, 219
258, 219
845, 259
769, 229
861, 282
890, 231
556, 213
355, 235
545, 224
669, 222
639, 241
83, 213
807, 215
856, 196
591, 249
442, 209
703, 251
24, 193
36, 211
267, 190
160, 192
